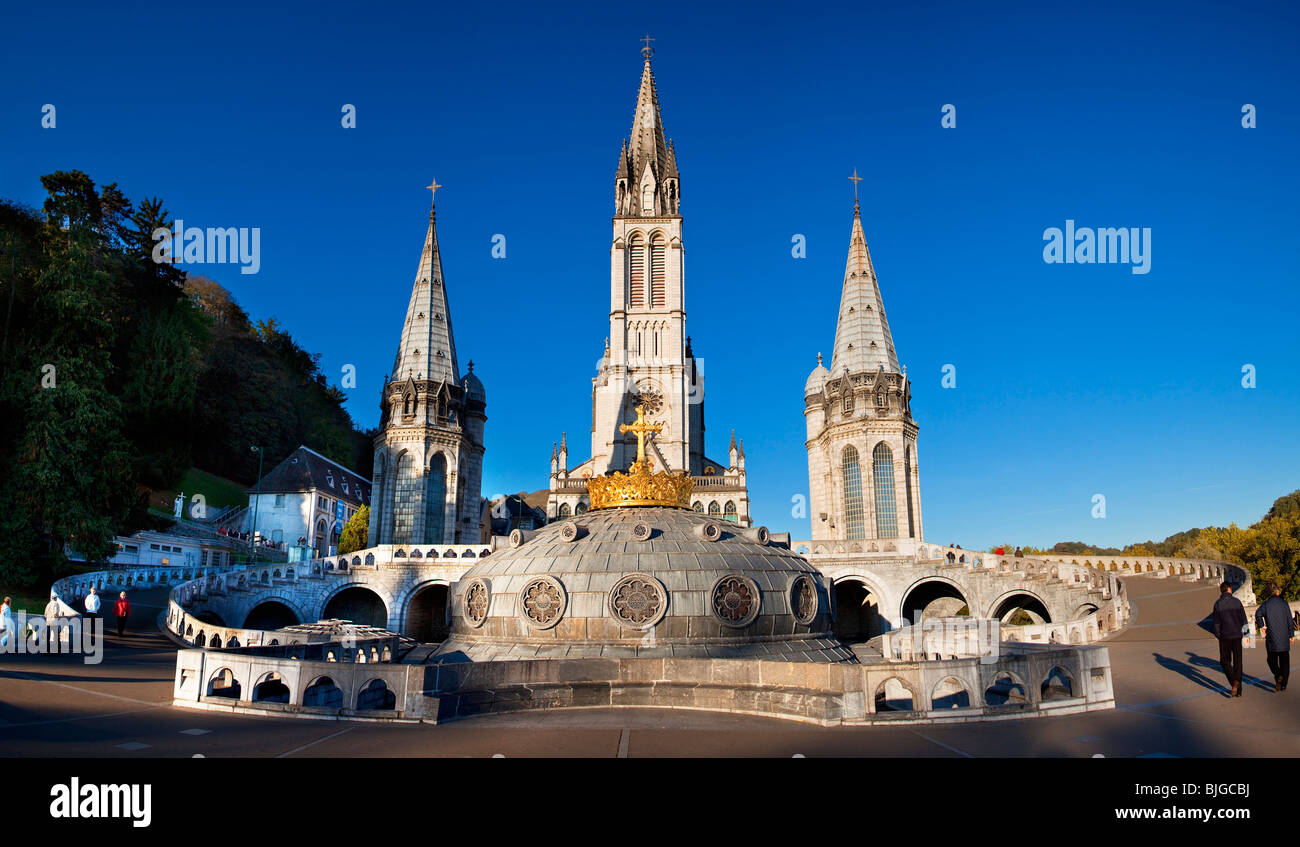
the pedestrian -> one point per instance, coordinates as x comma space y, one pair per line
1273, 619
1229, 626
92, 607
123, 611
6, 621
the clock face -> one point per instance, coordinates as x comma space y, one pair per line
650, 398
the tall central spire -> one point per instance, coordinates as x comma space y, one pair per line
647, 180
428, 349
862, 338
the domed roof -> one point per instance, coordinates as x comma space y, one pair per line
816, 380
642, 581
474, 389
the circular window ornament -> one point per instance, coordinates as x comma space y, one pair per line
638, 601
542, 602
735, 600
641, 531
803, 599
477, 601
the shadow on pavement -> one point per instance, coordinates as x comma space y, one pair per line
1189, 672
1202, 661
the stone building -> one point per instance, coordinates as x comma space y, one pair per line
862, 464
309, 497
429, 452
648, 359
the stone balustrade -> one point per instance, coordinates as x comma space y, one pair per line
1029, 683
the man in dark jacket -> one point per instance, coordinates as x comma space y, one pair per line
1273, 619
1229, 625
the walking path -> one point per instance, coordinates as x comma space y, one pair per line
1170, 693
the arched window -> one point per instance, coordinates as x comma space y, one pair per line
699, 507
881, 400
564, 510
581, 509
851, 472
648, 199
435, 502
907, 483
729, 512
405, 492
657, 247
408, 404
635, 271
713, 508
848, 402
882, 471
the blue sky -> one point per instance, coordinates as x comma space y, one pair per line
1072, 380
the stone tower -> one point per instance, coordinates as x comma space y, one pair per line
862, 465
429, 452
648, 358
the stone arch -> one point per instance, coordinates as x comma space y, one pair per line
1083, 611
932, 596
201, 640
323, 693
271, 688
1057, 685
424, 609
1007, 689
375, 694
215, 642
438, 471
950, 693
1029, 604
894, 695
857, 610
273, 613
359, 603
223, 683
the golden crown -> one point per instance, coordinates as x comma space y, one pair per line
639, 486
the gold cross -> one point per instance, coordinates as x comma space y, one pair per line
433, 189
856, 179
647, 50
640, 429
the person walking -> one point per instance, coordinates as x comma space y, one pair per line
92, 607
6, 621
123, 611
1229, 625
1273, 619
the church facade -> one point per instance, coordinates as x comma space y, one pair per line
428, 467
862, 463
648, 359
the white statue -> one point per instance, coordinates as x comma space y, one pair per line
179, 505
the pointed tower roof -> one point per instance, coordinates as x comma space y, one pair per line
862, 338
427, 346
646, 145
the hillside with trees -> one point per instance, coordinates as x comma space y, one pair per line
105, 355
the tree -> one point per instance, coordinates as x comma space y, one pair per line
356, 532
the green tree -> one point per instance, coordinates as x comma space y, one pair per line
356, 532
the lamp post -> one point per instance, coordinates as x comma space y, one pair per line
261, 454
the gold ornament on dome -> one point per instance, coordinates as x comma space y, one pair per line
639, 486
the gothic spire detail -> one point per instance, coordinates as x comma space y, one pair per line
427, 346
862, 338
647, 181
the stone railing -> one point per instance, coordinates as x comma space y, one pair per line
108, 582
1027, 683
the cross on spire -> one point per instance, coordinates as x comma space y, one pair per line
856, 179
647, 51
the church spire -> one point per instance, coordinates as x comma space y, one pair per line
427, 349
647, 181
862, 338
